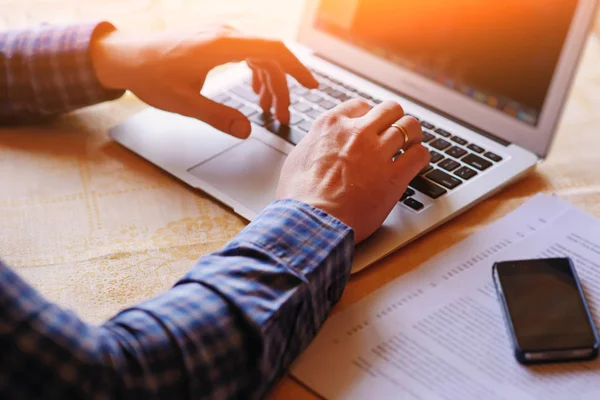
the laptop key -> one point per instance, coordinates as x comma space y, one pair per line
426, 169
327, 104
410, 115
475, 148
248, 111
301, 91
426, 187
465, 172
456, 152
323, 87
459, 140
302, 107
313, 98
295, 119
414, 204
440, 144
233, 103
444, 179
345, 97
286, 132
314, 114
261, 119
492, 156
427, 136
435, 156
245, 93
427, 125
220, 98
449, 164
407, 193
336, 94
442, 132
377, 101
364, 96
477, 162
305, 125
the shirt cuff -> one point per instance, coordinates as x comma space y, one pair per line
297, 240
307, 240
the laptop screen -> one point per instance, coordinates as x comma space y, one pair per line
499, 53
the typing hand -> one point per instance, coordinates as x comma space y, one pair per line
167, 71
344, 164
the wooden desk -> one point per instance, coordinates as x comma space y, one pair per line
95, 228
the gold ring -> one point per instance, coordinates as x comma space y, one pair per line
404, 133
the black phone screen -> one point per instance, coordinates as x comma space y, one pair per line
546, 306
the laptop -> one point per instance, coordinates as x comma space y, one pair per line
487, 80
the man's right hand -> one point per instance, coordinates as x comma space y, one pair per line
168, 69
344, 165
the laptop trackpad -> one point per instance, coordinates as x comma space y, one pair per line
247, 173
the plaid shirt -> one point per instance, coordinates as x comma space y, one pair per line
228, 329
48, 71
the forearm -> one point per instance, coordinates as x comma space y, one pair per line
227, 329
48, 71
290, 268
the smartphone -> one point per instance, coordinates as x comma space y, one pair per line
545, 310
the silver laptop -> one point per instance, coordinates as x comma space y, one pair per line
487, 79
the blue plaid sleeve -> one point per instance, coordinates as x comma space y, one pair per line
48, 71
226, 330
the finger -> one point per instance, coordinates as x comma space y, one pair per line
265, 97
383, 116
256, 82
239, 48
392, 139
409, 164
221, 117
278, 87
354, 108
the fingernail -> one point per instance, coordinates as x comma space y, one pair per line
240, 128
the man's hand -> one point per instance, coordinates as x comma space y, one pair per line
344, 165
168, 70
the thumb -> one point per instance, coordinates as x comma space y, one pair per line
219, 116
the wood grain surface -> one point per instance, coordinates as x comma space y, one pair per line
96, 228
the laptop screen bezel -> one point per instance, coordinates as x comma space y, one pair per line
536, 139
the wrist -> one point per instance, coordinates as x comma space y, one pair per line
328, 207
288, 227
107, 57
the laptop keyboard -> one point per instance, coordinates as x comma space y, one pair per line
454, 160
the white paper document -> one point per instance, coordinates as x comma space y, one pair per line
438, 332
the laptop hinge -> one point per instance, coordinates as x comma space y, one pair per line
453, 118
